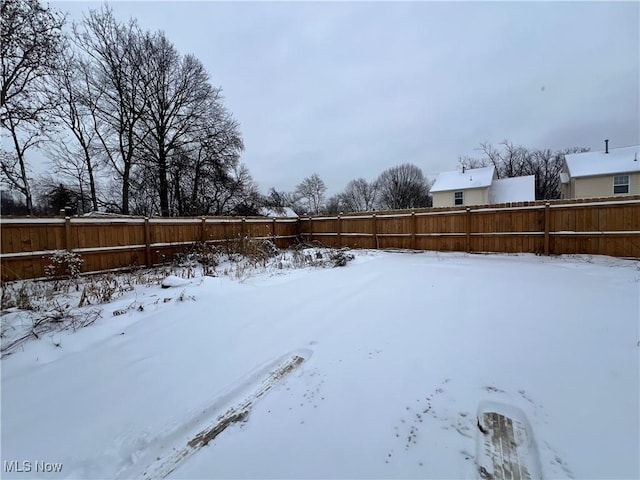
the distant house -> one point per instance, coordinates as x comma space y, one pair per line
605, 173
480, 186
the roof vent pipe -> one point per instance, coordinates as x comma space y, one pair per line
606, 146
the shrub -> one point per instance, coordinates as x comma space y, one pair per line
341, 257
255, 250
64, 264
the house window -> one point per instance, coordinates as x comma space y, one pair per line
458, 198
621, 184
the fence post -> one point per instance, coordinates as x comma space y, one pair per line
468, 229
310, 229
413, 230
547, 221
298, 230
339, 231
375, 230
67, 233
203, 231
243, 227
225, 233
147, 242
273, 230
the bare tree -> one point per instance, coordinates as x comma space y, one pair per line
335, 205
9, 205
216, 150
230, 190
277, 201
114, 97
508, 163
403, 186
514, 161
30, 47
179, 98
359, 196
29, 51
144, 193
546, 165
246, 199
68, 164
204, 161
131, 103
467, 162
13, 165
53, 195
74, 150
310, 194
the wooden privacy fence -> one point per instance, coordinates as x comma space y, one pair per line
116, 242
598, 226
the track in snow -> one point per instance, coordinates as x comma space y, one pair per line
180, 445
506, 449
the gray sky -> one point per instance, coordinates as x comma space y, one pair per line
348, 89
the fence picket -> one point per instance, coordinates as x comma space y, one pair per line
609, 226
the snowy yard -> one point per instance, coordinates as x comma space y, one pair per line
397, 351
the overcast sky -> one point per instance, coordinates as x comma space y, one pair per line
348, 89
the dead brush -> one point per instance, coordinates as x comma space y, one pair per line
103, 289
208, 256
240, 272
64, 264
313, 256
24, 297
6, 299
255, 251
58, 317
301, 259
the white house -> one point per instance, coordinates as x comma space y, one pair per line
604, 173
480, 186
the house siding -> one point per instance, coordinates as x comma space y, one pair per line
601, 186
442, 199
568, 189
472, 196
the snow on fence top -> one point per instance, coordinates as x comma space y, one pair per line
604, 227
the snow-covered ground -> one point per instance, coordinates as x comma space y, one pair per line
399, 351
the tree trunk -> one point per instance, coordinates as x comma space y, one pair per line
27, 190
24, 188
92, 187
125, 188
163, 184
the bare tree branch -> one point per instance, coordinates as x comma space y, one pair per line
403, 186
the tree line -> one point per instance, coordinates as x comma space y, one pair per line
129, 123
511, 160
405, 186
132, 126
399, 187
